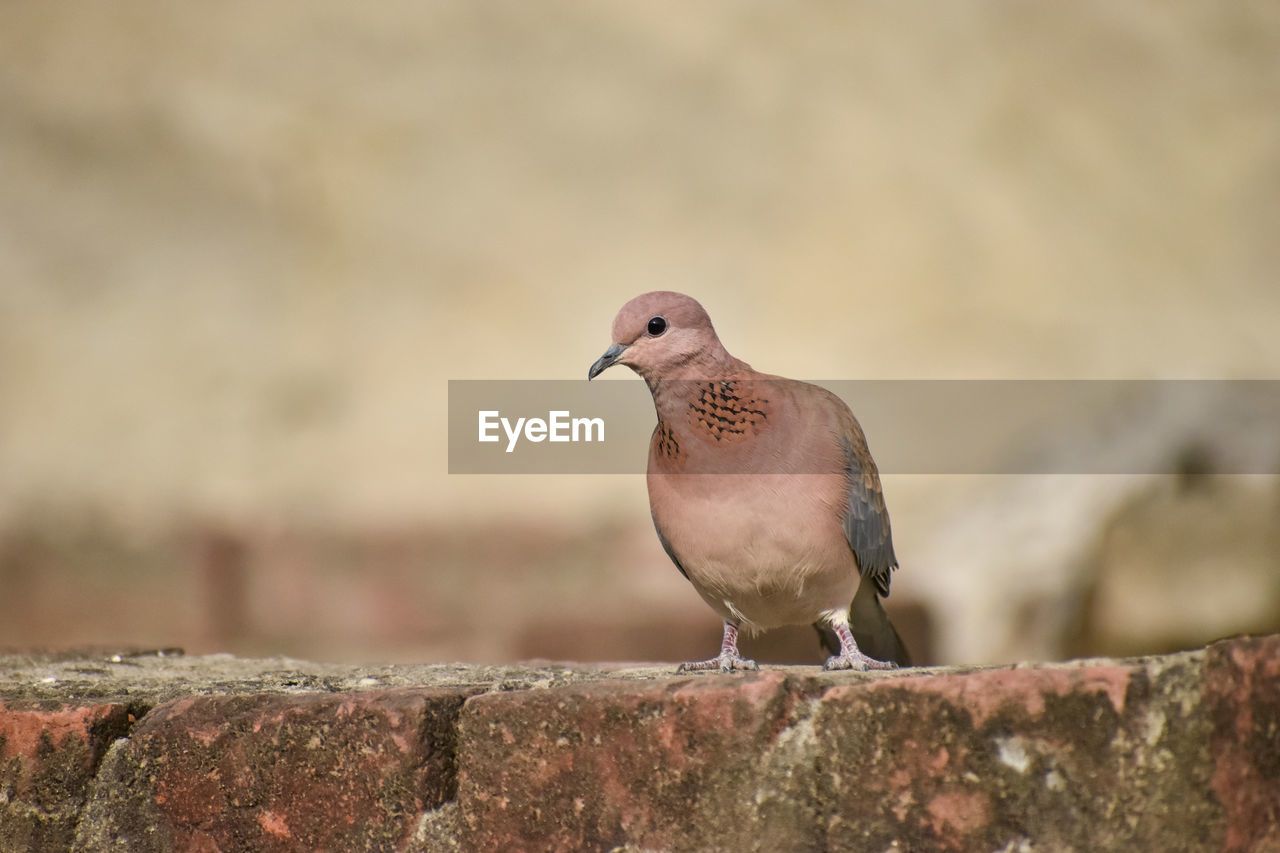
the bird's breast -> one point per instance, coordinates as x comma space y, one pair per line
766, 549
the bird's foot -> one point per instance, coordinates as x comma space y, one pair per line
722, 662
856, 661
728, 660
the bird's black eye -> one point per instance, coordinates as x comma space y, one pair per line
657, 326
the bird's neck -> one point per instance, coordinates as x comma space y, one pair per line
679, 385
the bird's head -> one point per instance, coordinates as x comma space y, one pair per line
660, 335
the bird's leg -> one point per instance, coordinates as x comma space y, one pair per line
728, 660
851, 657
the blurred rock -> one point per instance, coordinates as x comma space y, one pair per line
1002, 561
1186, 560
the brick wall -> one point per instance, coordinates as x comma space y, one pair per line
102, 750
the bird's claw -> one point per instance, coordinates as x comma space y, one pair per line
858, 662
724, 663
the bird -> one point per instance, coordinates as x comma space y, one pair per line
762, 491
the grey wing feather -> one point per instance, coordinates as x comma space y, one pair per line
866, 521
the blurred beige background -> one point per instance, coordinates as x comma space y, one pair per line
244, 247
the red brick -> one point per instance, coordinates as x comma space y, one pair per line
1093, 756
662, 765
1242, 684
48, 756
351, 771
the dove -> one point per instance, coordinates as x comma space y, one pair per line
762, 490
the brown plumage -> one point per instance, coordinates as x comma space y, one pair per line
762, 489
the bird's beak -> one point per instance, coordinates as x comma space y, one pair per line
609, 359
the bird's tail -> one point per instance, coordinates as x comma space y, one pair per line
872, 630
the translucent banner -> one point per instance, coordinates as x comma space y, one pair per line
912, 426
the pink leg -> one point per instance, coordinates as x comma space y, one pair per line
728, 659
850, 656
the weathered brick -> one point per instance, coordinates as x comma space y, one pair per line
1180, 752
1174, 753
347, 771
48, 755
1087, 757
1242, 688
665, 765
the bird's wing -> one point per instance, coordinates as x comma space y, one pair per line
866, 520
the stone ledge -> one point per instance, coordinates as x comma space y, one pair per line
123, 751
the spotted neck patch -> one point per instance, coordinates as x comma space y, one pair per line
724, 412
666, 443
